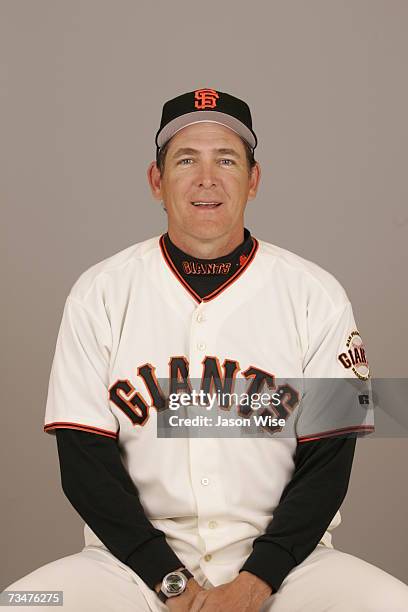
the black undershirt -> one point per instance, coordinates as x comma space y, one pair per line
195, 271
97, 484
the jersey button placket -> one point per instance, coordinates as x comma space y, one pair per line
198, 341
200, 327
204, 452
209, 491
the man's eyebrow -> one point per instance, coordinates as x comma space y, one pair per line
231, 152
190, 151
185, 151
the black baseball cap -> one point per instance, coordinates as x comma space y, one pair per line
205, 105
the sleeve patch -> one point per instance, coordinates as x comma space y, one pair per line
354, 356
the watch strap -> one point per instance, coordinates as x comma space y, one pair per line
162, 596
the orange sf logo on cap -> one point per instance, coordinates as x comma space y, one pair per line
205, 98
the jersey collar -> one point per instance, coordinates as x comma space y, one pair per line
202, 288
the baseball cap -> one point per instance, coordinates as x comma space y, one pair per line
205, 105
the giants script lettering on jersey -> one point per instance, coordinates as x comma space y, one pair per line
125, 396
191, 267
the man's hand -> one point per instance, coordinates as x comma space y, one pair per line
183, 602
246, 593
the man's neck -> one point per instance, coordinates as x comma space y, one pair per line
207, 249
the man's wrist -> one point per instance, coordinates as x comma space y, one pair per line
158, 586
255, 583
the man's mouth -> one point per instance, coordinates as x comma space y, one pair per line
201, 204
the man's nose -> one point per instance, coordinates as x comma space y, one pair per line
206, 177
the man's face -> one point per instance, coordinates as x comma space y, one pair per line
206, 183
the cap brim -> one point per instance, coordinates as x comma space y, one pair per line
228, 121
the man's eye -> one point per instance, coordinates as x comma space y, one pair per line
229, 162
184, 162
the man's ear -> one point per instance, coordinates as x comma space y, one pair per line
254, 181
154, 178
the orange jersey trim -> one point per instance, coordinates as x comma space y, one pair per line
221, 288
67, 425
330, 434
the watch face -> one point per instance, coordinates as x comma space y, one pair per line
174, 583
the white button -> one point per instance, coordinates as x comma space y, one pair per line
207, 558
205, 481
201, 346
212, 524
200, 318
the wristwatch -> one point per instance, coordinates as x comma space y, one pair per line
174, 584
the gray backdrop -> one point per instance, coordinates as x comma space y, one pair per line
82, 85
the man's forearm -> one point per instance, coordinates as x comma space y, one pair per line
97, 484
306, 508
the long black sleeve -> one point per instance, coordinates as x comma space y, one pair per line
97, 484
307, 505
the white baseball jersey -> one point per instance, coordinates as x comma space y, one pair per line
130, 322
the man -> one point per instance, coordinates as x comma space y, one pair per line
206, 522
